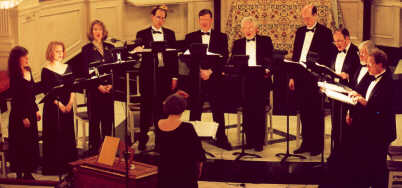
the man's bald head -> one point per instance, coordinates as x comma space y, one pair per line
309, 15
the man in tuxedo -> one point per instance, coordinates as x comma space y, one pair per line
344, 62
375, 121
360, 81
209, 76
166, 73
317, 38
257, 81
361, 73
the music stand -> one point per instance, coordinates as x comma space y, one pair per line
197, 58
291, 67
116, 67
155, 48
240, 63
324, 73
55, 92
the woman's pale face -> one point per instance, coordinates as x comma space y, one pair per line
24, 63
97, 32
58, 53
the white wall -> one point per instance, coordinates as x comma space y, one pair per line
37, 23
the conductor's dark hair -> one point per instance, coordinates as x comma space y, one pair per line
174, 104
343, 30
314, 10
380, 57
14, 67
205, 12
159, 7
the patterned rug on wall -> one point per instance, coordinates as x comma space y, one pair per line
279, 19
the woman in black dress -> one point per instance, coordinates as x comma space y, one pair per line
100, 101
181, 153
23, 129
59, 147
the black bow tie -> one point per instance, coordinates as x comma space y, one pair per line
156, 32
249, 40
364, 65
312, 30
205, 33
344, 51
371, 78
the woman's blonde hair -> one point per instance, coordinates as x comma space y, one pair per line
50, 48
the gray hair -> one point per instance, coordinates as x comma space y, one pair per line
368, 45
248, 19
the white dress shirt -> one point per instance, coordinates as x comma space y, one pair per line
340, 60
206, 38
306, 44
362, 72
158, 37
251, 51
373, 84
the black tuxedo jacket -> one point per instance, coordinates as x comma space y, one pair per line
218, 44
350, 64
321, 43
377, 120
264, 48
305, 83
363, 84
170, 59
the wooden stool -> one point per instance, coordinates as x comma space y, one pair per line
395, 173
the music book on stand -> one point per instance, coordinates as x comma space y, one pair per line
205, 129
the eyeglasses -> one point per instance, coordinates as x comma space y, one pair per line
160, 18
339, 41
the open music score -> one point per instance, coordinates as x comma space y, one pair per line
294, 62
187, 52
205, 129
336, 92
149, 50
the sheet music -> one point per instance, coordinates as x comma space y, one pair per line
205, 129
334, 87
187, 52
150, 50
299, 63
340, 97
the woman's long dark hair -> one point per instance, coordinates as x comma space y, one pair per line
14, 67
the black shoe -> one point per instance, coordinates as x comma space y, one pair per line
259, 148
300, 150
315, 153
28, 176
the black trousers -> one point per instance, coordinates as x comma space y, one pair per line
151, 109
101, 117
254, 116
359, 161
312, 119
209, 91
338, 118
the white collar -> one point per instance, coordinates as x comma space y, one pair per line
379, 74
347, 47
209, 31
154, 28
